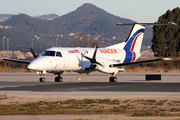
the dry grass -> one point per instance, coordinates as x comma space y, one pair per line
6, 66
136, 107
162, 66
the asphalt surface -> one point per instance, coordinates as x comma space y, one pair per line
96, 86
127, 82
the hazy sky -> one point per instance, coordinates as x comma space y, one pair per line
137, 10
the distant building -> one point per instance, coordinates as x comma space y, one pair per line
13, 54
147, 53
71, 34
6, 27
114, 37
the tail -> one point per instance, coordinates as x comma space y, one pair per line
134, 40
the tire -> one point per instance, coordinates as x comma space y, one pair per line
113, 79
42, 79
58, 79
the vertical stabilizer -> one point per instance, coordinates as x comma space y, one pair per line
134, 40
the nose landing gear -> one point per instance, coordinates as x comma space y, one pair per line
41, 73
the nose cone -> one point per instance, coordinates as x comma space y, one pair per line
36, 64
39, 64
33, 66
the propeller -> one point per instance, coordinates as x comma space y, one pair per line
92, 60
32, 51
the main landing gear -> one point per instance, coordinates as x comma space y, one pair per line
58, 78
113, 78
42, 79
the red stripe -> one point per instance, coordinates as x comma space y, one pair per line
134, 57
132, 47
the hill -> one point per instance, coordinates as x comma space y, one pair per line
87, 19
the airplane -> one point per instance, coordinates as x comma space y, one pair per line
110, 60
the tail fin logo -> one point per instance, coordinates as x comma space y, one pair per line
132, 40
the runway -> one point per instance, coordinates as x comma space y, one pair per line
93, 86
96, 83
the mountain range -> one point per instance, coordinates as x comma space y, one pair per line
24, 30
4, 17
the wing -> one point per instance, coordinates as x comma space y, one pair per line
133, 64
20, 61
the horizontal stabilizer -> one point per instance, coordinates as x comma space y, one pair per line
147, 24
132, 64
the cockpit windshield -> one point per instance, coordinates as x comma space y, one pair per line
48, 53
58, 54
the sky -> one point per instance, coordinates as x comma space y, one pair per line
137, 10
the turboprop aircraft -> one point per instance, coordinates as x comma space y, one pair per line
111, 59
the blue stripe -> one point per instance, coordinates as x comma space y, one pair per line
128, 45
129, 56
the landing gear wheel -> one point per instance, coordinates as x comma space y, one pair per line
42, 79
113, 79
58, 79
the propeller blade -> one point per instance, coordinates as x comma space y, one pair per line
94, 55
86, 57
99, 63
32, 51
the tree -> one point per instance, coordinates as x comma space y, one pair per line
93, 44
166, 39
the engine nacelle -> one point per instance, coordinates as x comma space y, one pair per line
105, 68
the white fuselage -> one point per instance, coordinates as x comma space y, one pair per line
72, 60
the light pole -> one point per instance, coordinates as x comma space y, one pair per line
56, 41
3, 42
3, 45
32, 43
7, 47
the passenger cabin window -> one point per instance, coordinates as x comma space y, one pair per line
49, 53
58, 54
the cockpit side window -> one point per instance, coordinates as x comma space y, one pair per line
49, 53
58, 54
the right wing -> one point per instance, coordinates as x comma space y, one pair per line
133, 64
19, 61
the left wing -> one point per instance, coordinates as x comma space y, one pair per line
20, 61
133, 64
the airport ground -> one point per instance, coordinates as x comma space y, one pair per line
26, 88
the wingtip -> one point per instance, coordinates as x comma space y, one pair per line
167, 59
172, 23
